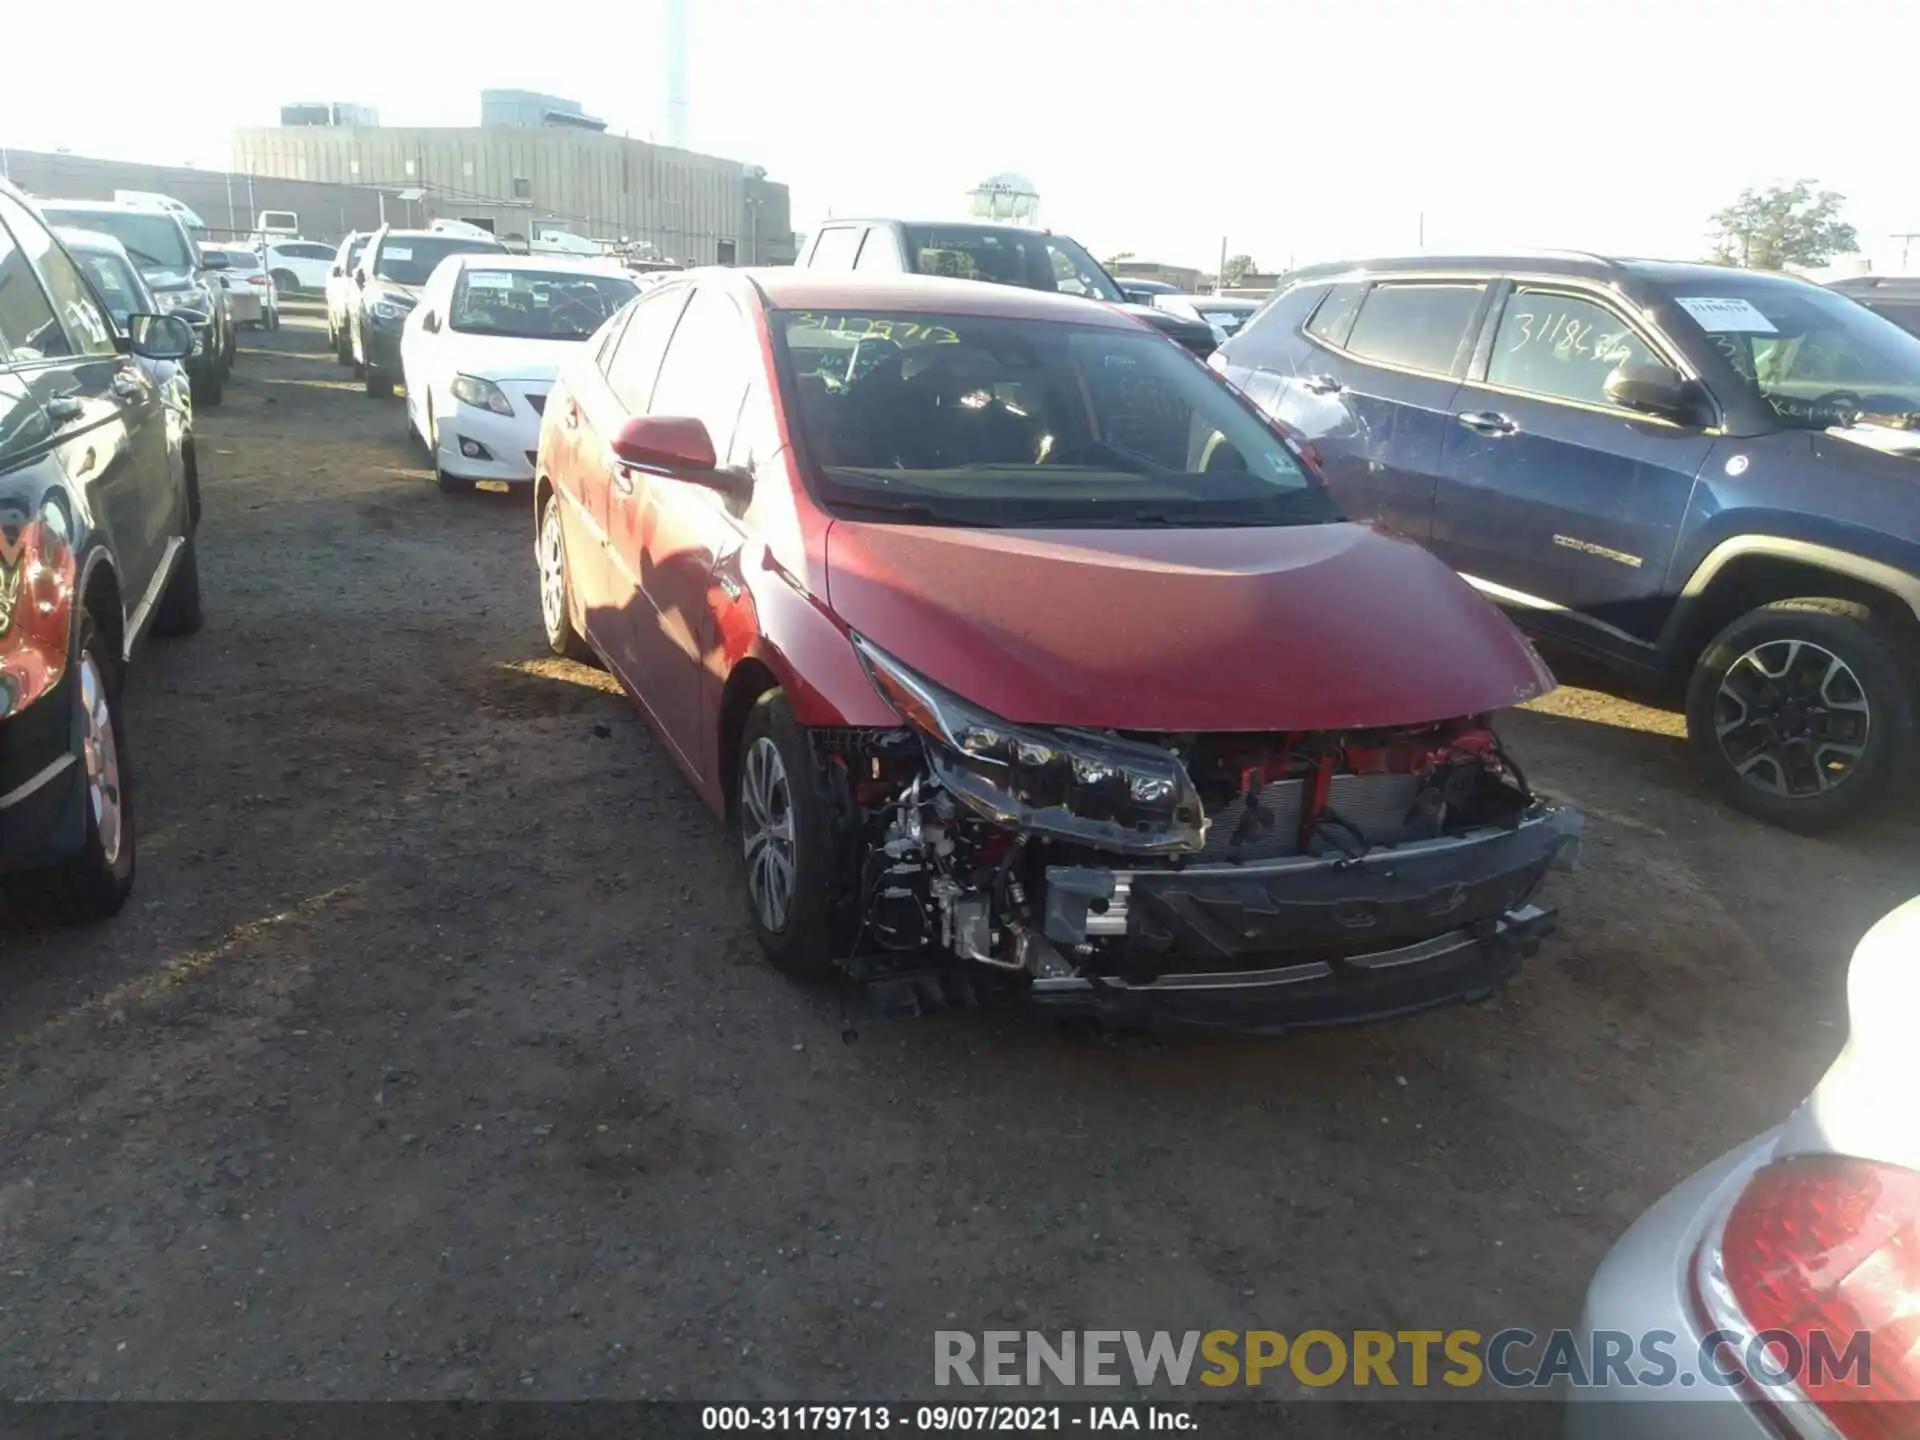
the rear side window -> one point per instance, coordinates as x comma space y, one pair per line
836, 248
1415, 326
636, 359
1334, 319
708, 367
86, 324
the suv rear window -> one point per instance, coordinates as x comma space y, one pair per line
1417, 326
1027, 258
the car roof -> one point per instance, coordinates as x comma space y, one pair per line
582, 264
790, 289
77, 239
398, 234
107, 207
1572, 263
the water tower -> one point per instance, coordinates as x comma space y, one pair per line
1005, 197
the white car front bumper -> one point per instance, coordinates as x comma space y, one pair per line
507, 444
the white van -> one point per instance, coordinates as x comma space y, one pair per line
152, 199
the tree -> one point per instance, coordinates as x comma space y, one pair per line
1782, 225
1115, 259
1237, 268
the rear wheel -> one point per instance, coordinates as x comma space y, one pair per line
378, 383
96, 882
1801, 713
556, 588
782, 818
209, 389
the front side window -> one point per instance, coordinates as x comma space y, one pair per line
708, 366
967, 420
88, 329
1561, 345
1416, 326
1025, 258
410, 259
1333, 318
535, 304
154, 240
636, 358
27, 325
1816, 358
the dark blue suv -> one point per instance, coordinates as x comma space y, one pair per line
1707, 478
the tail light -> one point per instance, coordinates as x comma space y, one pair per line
1819, 1249
256, 279
36, 606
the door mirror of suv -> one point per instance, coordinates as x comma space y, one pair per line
679, 447
159, 337
360, 279
336, 271
430, 323
214, 260
1655, 389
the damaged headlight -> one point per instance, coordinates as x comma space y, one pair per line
1094, 788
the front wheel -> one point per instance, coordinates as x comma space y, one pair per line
209, 389
342, 345
556, 588
782, 818
1801, 713
180, 612
377, 384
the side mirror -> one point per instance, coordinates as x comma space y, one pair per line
1654, 389
359, 279
214, 260
336, 271
430, 323
159, 337
679, 448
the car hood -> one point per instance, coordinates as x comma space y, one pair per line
1320, 627
499, 357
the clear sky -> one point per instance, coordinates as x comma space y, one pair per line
1300, 131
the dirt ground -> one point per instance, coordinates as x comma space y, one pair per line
433, 1057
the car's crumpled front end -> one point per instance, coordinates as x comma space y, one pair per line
1262, 881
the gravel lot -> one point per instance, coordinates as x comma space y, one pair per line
432, 1056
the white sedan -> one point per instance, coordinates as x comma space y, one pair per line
299, 266
481, 349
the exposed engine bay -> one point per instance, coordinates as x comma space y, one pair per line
1074, 859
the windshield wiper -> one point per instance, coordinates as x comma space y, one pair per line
141, 257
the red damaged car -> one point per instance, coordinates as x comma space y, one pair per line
1010, 641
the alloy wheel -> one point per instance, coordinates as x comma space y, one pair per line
102, 759
553, 573
766, 833
1792, 718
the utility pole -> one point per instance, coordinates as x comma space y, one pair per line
1422, 230
1906, 241
1220, 276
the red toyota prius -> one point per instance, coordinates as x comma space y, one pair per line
1010, 640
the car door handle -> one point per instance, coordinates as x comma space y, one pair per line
128, 387
622, 480
65, 409
1322, 385
1486, 422
570, 417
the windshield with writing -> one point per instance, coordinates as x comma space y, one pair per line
1008, 257
155, 242
536, 304
410, 259
955, 419
1815, 357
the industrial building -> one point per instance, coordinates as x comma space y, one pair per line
541, 164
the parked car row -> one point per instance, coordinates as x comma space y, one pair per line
99, 504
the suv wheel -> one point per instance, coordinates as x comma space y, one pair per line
342, 345
180, 613
96, 882
1802, 713
782, 819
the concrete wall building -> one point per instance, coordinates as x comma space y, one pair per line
228, 202
698, 209
328, 112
